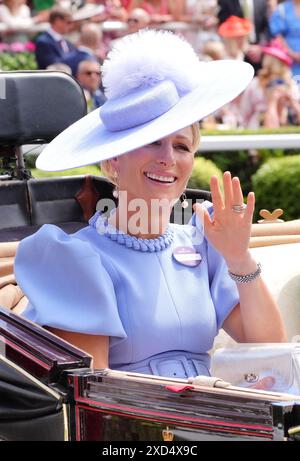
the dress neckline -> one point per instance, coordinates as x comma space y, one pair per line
103, 227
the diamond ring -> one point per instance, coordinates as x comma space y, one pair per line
239, 208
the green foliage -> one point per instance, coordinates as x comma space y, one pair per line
30, 160
277, 185
17, 61
202, 172
243, 164
265, 154
239, 163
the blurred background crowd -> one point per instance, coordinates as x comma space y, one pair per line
74, 36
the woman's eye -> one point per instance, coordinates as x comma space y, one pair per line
182, 147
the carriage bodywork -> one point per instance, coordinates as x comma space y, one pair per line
48, 390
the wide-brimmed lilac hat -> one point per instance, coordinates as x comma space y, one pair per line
155, 85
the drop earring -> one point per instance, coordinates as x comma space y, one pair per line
116, 190
184, 202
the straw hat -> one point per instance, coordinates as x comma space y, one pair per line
155, 85
235, 27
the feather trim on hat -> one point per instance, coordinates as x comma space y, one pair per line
147, 57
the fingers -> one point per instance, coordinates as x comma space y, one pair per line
228, 190
238, 199
250, 207
264, 384
233, 195
232, 192
216, 194
237, 195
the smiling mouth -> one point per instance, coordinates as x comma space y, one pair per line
161, 179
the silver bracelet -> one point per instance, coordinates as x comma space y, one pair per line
246, 278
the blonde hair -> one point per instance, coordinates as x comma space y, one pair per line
273, 68
108, 170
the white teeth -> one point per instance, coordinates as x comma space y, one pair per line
160, 178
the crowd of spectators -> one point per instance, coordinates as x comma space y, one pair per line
74, 36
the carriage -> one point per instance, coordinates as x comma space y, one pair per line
48, 389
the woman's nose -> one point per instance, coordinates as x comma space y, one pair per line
166, 155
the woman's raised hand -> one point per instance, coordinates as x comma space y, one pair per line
229, 230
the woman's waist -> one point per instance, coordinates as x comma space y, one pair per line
174, 364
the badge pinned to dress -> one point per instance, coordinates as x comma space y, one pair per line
187, 256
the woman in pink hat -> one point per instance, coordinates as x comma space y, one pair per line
284, 24
272, 95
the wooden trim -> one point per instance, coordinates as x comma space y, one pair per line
285, 228
268, 240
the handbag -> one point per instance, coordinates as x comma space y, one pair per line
245, 365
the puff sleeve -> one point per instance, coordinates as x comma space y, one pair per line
223, 289
67, 286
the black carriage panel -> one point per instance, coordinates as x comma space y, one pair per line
14, 205
28, 410
53, 200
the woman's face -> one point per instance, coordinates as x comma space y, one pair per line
273, 65
159, 170
236, 44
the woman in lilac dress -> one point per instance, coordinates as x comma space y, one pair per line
134, 290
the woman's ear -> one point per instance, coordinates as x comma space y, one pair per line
114, 161
115, 164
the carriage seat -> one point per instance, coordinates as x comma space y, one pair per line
67, 202
281, 271
35, 106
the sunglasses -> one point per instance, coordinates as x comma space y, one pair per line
91, 72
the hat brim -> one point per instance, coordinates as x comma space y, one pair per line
87, 141
279, 54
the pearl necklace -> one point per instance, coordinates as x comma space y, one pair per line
160, 243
